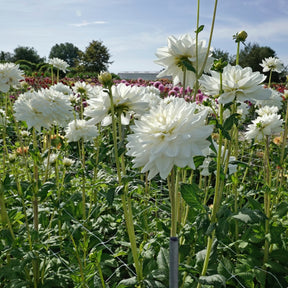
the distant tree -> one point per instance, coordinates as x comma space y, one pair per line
67, 52
224, 55
252, 56
95, 58
27, 53
5, 56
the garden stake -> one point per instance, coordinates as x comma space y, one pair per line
173, 262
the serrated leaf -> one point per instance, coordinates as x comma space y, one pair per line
187, 64
190, 194
215, 280
282, 209
230, 121
249, 216
110, 196
130, 281
163, 259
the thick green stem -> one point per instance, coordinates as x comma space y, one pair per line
173, 201
267, 199
270, 77
238, 53
52, 75
126, 200
210, 39
217, 195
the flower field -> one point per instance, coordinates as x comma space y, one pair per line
120, 183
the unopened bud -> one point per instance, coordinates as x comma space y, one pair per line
105, 78
240, 36
219, 65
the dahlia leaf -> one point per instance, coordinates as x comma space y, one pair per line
190, 194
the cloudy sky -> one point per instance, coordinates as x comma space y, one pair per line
133, 29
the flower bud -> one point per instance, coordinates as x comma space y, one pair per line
240, 36
105, 78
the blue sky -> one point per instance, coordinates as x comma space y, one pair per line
133, 30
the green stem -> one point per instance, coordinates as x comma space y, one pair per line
238, 53
173, 201
270, 77
210, 39
267, 199
126, 200
36, 179
79, 262
217, 195
52, 75
4, 215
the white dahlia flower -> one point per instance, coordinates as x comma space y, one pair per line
29, 108
80, 129
273, 64
267, 110
60, 87
172, 133
58, 106
43, 109
204, 167
128, 101
179, 50
275, 99
238, 84
10, 75
81, 87
3, 119
59, 64
266, 125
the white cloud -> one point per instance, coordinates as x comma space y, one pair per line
85, 23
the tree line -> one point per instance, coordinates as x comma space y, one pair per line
251, 56
95, 58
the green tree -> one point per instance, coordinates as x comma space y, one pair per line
27, 53
67, 52
224, 55
95, 58
5, 56
253, 54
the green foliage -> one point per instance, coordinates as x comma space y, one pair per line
28, 54
67, 52
95, 58
253, 54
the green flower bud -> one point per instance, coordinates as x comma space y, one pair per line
105, 78
240, 36
219, 65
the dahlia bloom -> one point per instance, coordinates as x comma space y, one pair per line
81, 87
267, 110
275, 99
179, 49
43, 108
60, 87
128, 101
238, 84
272, 64
172, 133
10, 75
27, 109
3, 118
59, 64
80, 129
265, 125
232, 168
